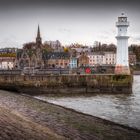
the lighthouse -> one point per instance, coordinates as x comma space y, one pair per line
122, 62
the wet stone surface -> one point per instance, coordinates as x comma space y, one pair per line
57, 120
13, 126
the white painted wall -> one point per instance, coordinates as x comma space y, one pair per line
6, 65
122, 42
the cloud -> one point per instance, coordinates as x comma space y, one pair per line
135, 39
64, 30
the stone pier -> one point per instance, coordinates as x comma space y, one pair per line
67, 84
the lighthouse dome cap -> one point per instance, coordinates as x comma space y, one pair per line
123, 14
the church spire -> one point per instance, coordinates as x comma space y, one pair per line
38, 32
38, 38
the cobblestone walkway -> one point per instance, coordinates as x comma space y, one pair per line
67, 123
15, 127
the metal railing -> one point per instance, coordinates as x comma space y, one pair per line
10, 72
59, 71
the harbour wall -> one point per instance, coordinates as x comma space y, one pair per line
67, 84
136, 72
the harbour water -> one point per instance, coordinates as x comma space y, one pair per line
120, 108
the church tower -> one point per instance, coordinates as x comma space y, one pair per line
122, 62
38, 56
38, 38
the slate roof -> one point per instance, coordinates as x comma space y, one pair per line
56, 55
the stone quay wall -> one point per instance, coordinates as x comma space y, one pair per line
67, 84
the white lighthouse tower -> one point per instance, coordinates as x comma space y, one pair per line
122, 62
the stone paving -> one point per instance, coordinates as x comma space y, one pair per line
59, 122
13, 126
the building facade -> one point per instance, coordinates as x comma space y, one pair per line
7, 58
73, 62
31, 54
55, 45
56, 60
102, 58
7, 63
132, 59
83, 60
109, 58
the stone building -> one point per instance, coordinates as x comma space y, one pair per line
83, 60
31, 54
132, 59
55, 45
56, 59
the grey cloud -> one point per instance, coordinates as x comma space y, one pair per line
67, 20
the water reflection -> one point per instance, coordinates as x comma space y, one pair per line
120, 108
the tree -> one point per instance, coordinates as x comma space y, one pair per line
66, 49
47, 48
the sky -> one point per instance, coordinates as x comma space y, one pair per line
70, 21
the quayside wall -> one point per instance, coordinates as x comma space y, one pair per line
67, 84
